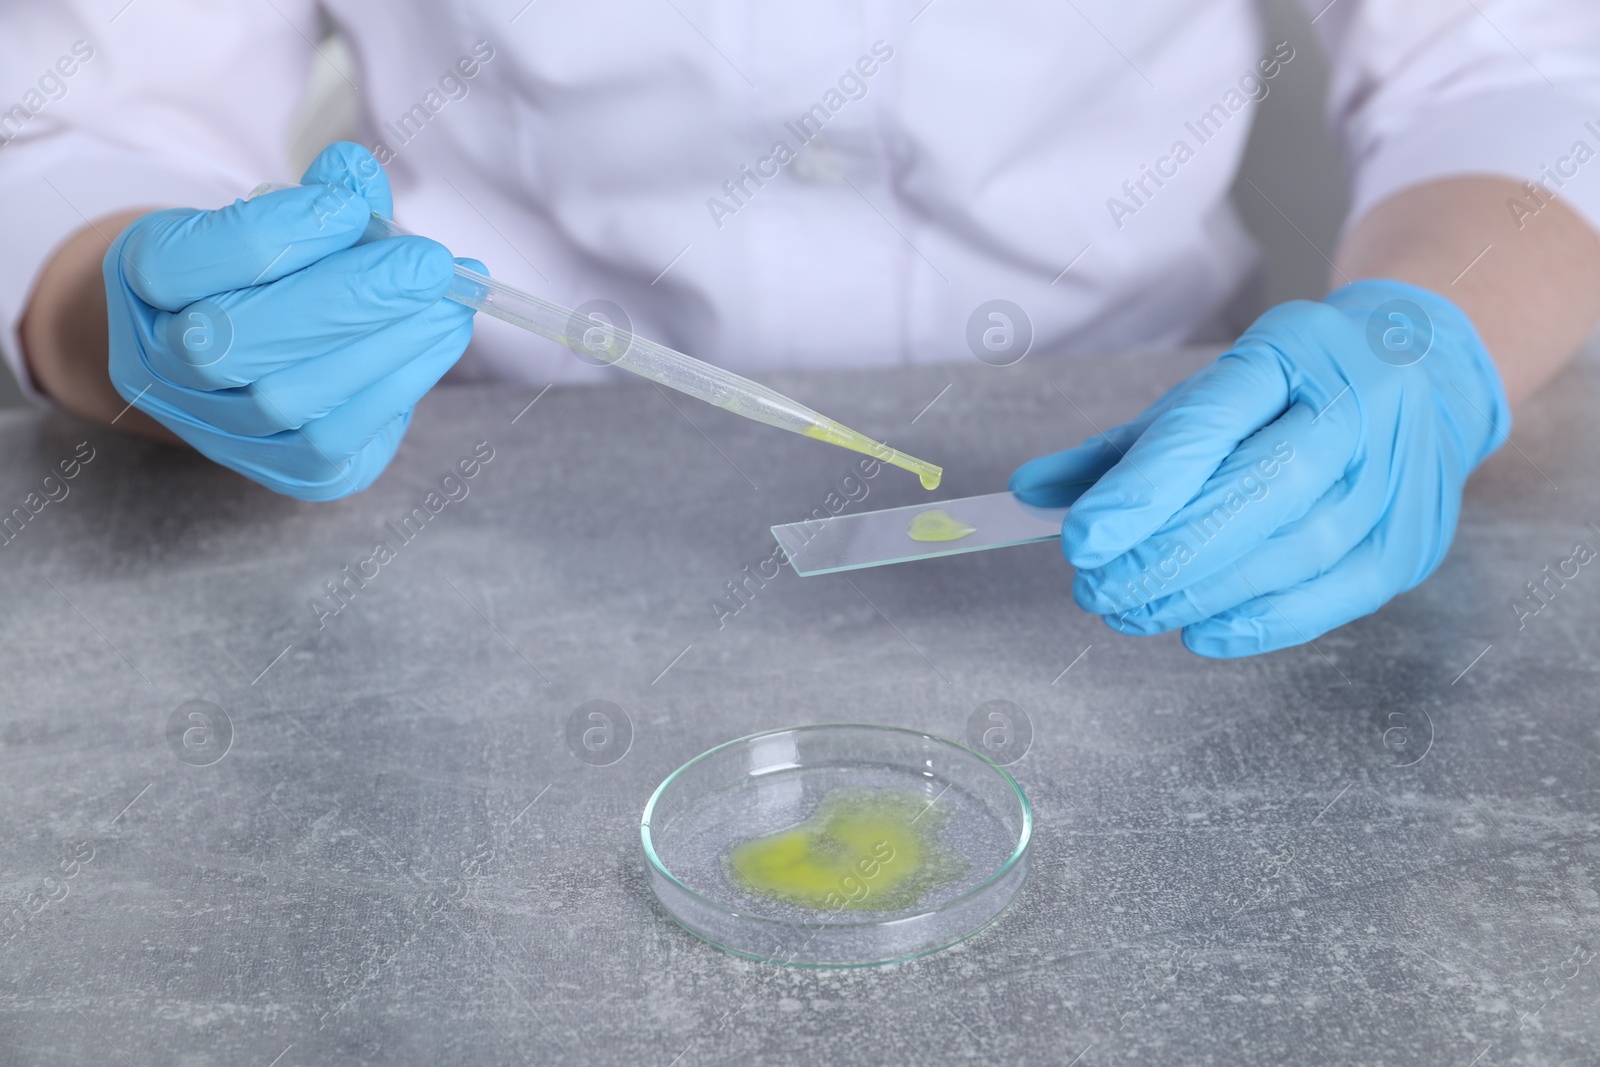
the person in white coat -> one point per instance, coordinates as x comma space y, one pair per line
843, 184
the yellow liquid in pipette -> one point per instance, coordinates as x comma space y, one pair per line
845, 437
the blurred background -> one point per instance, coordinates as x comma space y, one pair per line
1294, 210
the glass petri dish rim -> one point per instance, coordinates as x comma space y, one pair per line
1017, 853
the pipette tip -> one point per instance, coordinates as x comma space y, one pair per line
844, 437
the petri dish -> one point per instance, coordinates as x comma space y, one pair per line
767, 785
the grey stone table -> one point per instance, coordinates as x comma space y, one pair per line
379, 847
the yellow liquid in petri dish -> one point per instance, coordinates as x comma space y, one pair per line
937, 524
862, 850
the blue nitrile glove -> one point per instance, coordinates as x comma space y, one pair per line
1300, 481
261, 336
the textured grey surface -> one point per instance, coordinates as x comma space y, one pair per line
1230, 866
10, 391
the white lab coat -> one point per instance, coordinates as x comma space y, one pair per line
944, 154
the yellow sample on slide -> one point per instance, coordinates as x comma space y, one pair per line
937, 524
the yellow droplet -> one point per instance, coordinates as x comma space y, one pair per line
937, 524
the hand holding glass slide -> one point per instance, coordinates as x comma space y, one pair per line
1310, 474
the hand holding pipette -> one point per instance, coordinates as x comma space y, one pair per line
265, 337
179, 282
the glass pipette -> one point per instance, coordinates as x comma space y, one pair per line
622, 348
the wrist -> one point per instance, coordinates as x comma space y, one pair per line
1419, 331
64, 336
